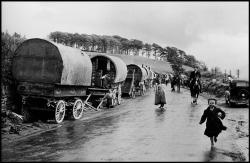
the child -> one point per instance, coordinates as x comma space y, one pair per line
160, 96
213, 125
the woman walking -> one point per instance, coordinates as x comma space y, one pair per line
213, 125
160, 96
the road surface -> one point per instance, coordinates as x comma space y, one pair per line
136, 130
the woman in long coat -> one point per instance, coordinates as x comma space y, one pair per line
160, 96
214, 125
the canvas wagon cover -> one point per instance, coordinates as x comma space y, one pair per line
41, 61
120, 66
142, 70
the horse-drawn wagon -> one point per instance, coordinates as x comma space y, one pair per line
51, 77
56, 80
108, 75
135, 79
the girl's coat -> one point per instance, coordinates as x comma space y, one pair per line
213, 124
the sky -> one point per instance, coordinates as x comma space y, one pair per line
216, 33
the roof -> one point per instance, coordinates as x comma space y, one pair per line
240, 80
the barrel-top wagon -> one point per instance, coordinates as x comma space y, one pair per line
52, 77
108, 75
135, 79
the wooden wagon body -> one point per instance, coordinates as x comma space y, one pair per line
51, 77
135, 79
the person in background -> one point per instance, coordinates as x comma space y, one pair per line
230, 79
214, 125
106, 80
167, 79
178, 82
193, 75
173, 82
160, 96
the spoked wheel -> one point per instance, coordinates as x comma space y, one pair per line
60, 111
77, 109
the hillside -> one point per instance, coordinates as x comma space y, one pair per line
157, 66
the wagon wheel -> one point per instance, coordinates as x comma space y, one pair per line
60, 111
77, 109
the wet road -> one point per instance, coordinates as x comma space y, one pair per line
133, 131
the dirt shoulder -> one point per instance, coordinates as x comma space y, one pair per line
30, 129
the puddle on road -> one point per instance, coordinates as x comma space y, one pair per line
135, 131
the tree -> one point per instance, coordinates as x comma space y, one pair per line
85, 42
9, 44
96, 42
190, 61
157, 49
175, 60
55, 36
148, 49
123, 44
135, 46
77, 40
8, 92
164, 54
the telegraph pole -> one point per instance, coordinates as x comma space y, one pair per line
225, 75
238, 73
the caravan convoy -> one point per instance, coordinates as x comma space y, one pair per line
57, 81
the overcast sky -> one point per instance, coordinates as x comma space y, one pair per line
214, 32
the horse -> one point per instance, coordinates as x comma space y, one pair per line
195, 90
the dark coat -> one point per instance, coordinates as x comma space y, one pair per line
160, 95
194, 75
213, 125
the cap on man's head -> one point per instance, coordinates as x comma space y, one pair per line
212, 99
